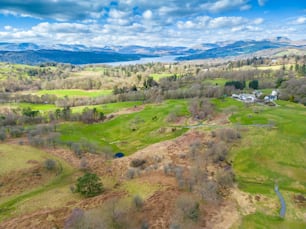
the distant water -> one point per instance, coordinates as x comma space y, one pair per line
162, 59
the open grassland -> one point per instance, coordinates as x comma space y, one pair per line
109, 107
95, 68
141, 189
74, 93
262, 221
129, 132
15, 158
44, 108
272, 151
157, 76
39, 107
217, 81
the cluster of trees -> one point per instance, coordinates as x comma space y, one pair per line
210, 186
201, 108
237, 84
293, 90
43, 136
25, 116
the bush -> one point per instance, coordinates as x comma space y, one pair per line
89, 185
189, 207
201, 108
16, 132
217, 152
50, 164
131, 173
228, 135
137, 202
137, 162
2, 134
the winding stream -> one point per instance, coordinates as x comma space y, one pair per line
282, 201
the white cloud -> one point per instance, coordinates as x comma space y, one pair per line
224, 5
258, 21
185, 25
8, 27
262, 2
245, 7
221, 22
158, 22
147, 14
300, 21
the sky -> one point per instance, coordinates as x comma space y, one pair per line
189, 23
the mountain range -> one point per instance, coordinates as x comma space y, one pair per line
30, 53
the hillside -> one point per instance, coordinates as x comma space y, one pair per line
235, 49
167, 143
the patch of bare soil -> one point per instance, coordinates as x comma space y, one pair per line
244, 200
222, 216
220, 119
300, 200
66, 155
19, 181
47, 219
158, 209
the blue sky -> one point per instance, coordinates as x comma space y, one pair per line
149, 22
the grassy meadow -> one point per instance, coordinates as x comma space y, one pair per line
272, 150
15, 158
128, 132
74, 93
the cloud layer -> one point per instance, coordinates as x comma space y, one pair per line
158, 22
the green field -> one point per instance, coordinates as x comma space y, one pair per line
74, 93
272, 150
108, 108
217, 81
15, 158
261, 221
158, 76
118, 133
39, 107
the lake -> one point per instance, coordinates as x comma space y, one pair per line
162, 59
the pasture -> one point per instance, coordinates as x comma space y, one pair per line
16, 158
129, 132
74, 93
272, 150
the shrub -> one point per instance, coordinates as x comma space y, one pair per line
228, 135
2, 134
137, 162
225, 178
217, 152
138, 202
74, 219
201, 108
89, 185
50, 164
131, 173
76, 148
189, 207
16, 132
83, 164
